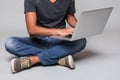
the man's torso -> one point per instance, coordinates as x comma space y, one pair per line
52, 14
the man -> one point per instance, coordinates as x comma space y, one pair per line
46, 18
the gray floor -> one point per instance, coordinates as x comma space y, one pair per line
99, 61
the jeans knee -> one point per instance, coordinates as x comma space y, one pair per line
9, 44
83, 43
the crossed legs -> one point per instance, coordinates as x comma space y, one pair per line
47, 51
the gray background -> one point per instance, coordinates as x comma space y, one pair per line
99, 61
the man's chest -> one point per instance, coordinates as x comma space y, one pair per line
58, 7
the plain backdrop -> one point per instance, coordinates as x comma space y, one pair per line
100, 59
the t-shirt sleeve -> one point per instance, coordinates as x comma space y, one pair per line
29, 6
71, 9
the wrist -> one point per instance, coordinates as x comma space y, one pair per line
55, 32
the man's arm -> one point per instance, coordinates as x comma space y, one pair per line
35, 30
71, 19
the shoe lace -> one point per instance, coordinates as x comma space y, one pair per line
25, 62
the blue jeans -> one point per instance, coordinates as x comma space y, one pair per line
49, 50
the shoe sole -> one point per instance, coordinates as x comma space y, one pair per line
71, 62
12, 65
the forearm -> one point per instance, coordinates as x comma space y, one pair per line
72, 21
42, 31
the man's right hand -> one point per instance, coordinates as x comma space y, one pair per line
64, 32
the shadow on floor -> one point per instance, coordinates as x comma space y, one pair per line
85, 55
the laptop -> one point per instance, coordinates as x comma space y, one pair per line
89, 23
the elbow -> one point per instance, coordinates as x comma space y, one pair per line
31, 32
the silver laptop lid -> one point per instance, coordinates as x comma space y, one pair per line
91, 22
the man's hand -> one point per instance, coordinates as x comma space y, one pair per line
65, 32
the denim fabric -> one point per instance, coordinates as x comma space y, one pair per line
49, 50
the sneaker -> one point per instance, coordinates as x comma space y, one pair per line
67, 61
18, 64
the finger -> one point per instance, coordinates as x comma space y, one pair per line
71, 34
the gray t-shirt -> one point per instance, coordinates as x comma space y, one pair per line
50, 15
